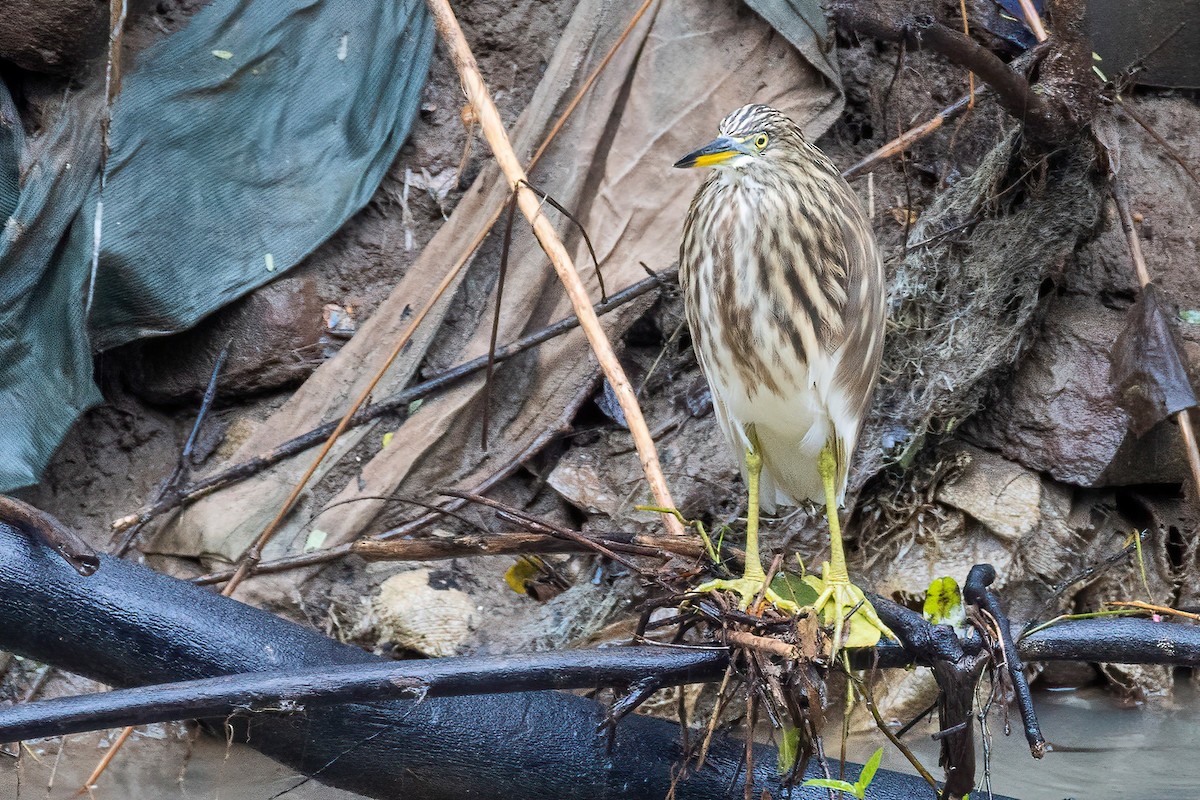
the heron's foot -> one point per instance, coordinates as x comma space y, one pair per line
748, 588
844, 606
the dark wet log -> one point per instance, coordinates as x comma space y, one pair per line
956, 665
129, 626
1115, 641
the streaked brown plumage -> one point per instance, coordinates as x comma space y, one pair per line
784, 293
783, 287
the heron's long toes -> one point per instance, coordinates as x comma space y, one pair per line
748, 589
855, 621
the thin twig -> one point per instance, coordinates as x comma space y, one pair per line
527, 200
55, 535
183, 465
395, 403
962, 10
587, 240
501, 276
489, 544
39, 682
869, 701
587, 83
1175, 155
1153, 608
545, 526
906, 139
976, 591
104, 761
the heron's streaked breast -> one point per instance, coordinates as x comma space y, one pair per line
764, 274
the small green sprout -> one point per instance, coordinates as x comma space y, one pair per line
859, 787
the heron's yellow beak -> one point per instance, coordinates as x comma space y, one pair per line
715, 152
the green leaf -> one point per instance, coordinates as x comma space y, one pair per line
792, 587
830, 783
315, 539
868, 773
944, 604
789, 748
1190, 315
224, 55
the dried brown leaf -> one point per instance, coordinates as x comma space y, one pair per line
1147, 370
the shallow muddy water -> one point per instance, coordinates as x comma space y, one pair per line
1102, 750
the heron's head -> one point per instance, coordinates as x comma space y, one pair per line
753, 135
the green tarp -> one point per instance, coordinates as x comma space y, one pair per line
238, 143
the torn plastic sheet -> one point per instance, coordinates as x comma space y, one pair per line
238, 145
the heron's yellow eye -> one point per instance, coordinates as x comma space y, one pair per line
760, 141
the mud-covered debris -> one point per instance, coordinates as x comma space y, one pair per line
416, 616
578, 479
999, 493
274, 337
339, 321
1059, 413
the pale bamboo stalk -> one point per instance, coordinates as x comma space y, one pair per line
1189, 444
1033, 20
531, 206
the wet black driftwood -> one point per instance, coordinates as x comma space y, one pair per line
127, 625
294, 690
956, 665
976, 591
131, 626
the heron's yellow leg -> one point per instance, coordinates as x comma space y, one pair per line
838, 596
827, 467
753, 580
753, 570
